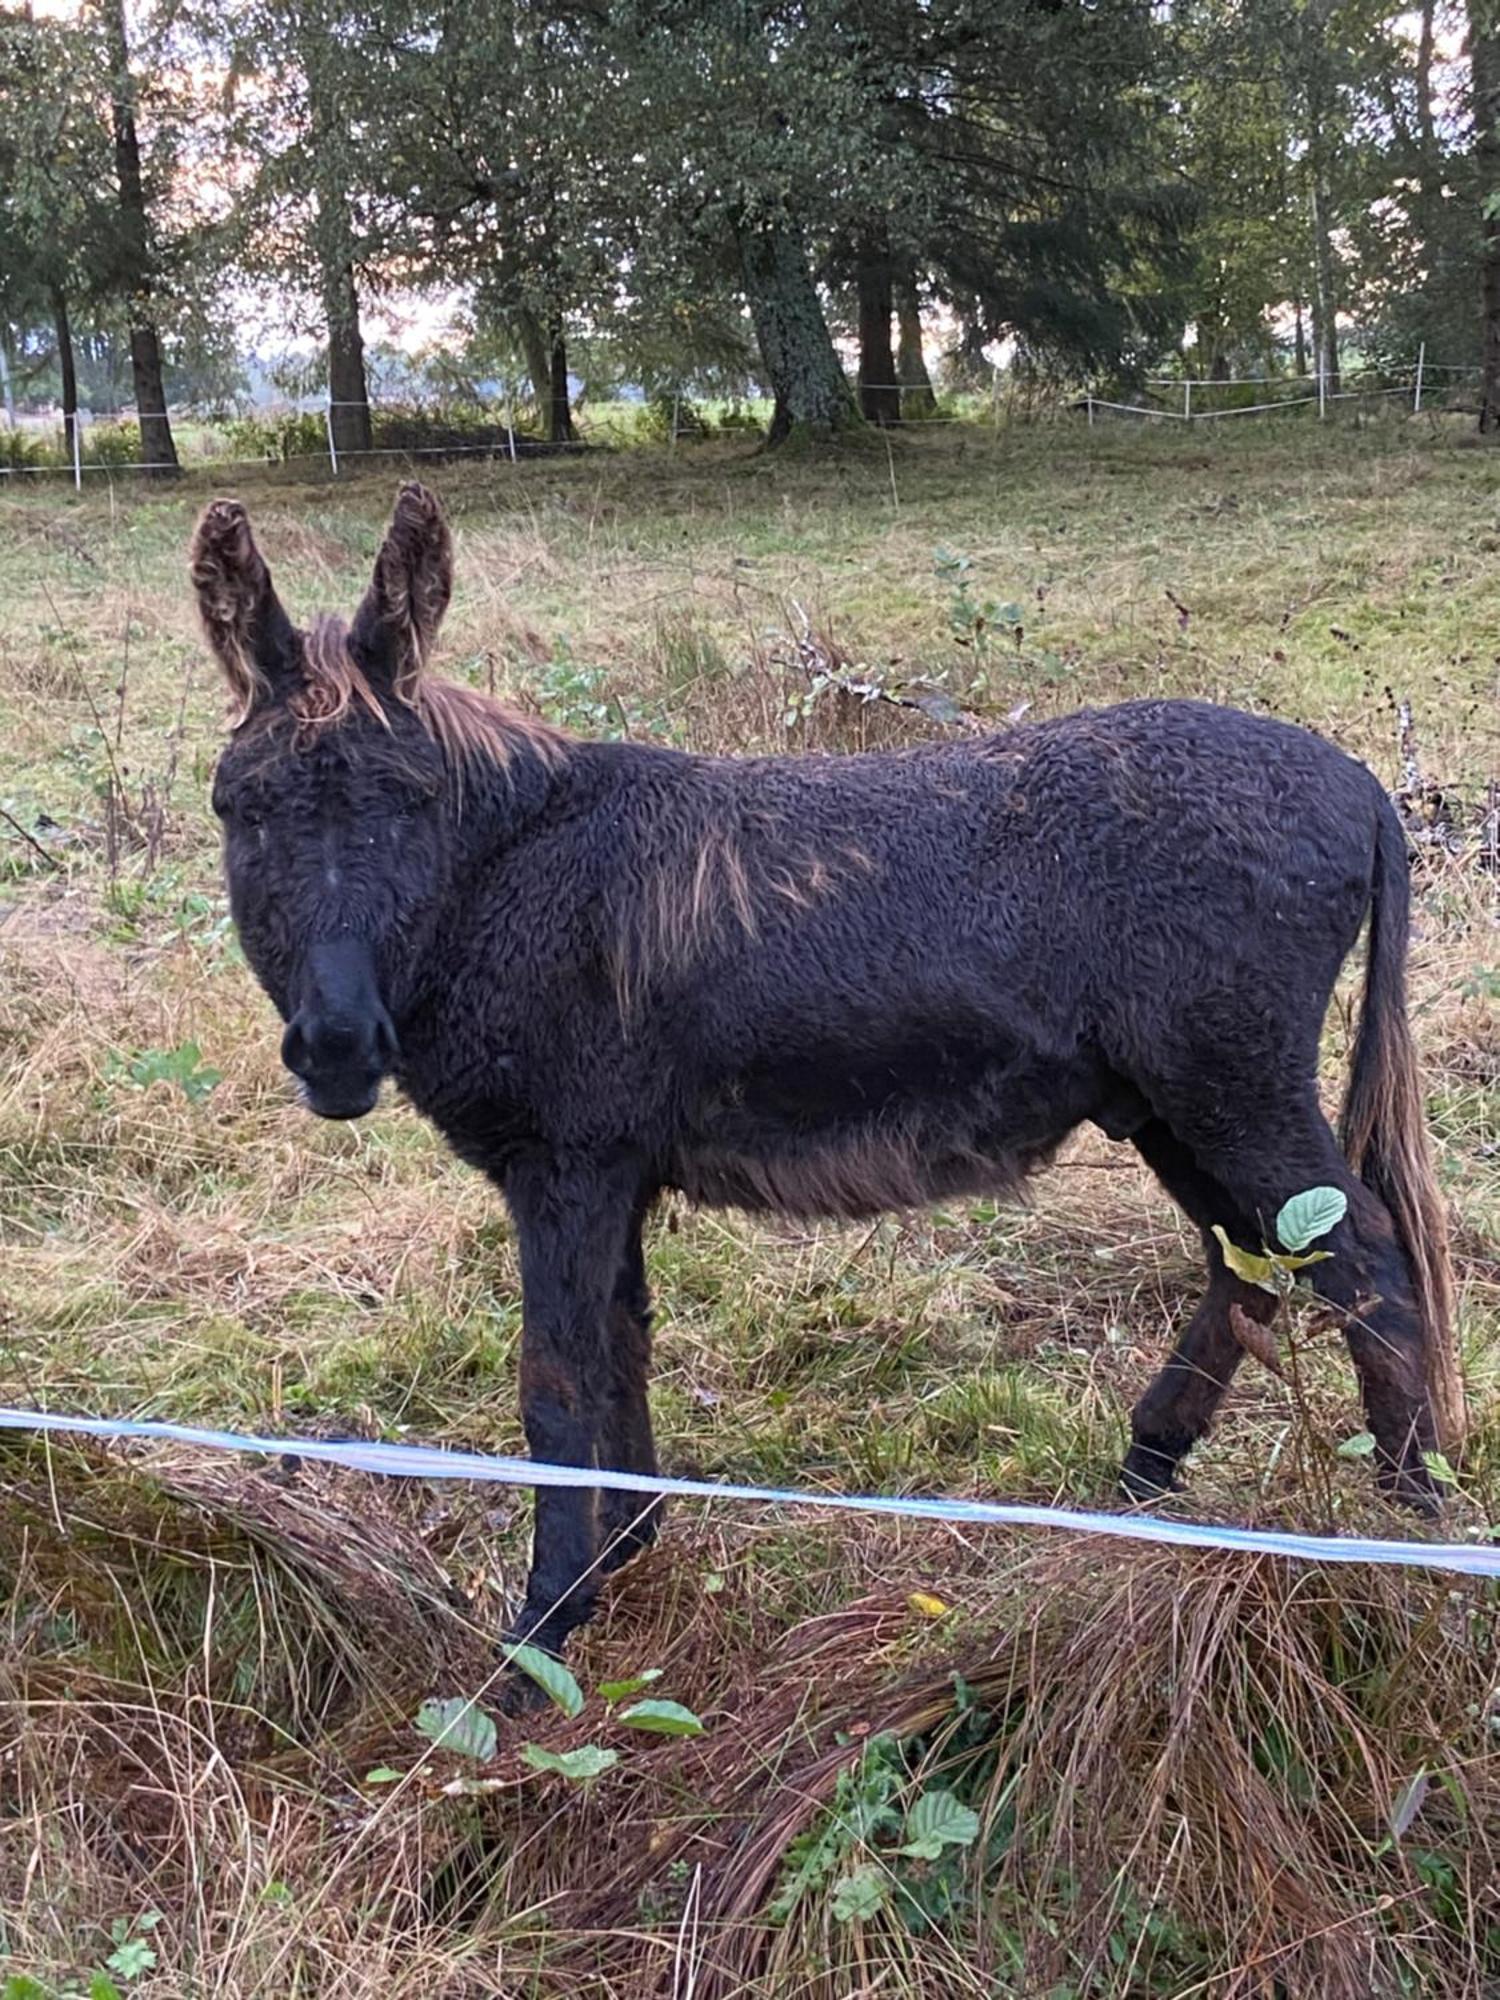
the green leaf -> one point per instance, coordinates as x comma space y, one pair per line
132, 1958
936, 1821
460, 1726
1245, 1264
101, 1987
383, 1775
1439, 1467
859, 1895
551, 1676
622, 1690
1408, 1803
1361, 1445
663, 1718
1309, 1215
587, 1761
21, 1986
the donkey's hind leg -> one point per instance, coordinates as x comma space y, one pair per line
1182, 1400
628, 1522
1279, 1148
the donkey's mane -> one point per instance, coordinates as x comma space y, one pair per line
469, 728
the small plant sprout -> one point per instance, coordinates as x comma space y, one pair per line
459, 1727
1302, 1220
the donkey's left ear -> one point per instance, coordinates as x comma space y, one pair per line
394, 628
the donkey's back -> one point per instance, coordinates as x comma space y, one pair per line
853, 983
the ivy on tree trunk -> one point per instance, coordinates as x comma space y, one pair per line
795, 346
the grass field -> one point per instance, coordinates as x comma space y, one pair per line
1126, 1773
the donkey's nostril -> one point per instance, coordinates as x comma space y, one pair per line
294, 1047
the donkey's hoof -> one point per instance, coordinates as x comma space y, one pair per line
1148, 1475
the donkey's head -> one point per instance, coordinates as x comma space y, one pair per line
334, 793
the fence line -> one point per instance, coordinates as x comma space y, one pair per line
412, 1461
1322, 394
513, 445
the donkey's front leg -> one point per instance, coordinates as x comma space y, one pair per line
572, 1223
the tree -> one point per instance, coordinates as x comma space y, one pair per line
137, 252
55, 213
1484, 55
305, 77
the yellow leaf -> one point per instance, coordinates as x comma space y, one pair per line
928, 1606
1245, 1264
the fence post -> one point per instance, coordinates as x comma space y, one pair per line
1416, 401
676, 414
333, 450
510, 426
995, 395
1322, 394
1187, 398
1090, 400
78, 449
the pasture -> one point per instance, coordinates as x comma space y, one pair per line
933, 1762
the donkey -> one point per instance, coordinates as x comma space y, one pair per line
821, 986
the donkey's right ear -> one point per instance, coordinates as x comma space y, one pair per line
252, 637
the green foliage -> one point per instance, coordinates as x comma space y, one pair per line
551, 1676
936, 1821
1304, 1218
613, 1691
459, 1727
183, 1066
587, 1761
662, 1718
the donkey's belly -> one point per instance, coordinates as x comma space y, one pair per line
844, 1148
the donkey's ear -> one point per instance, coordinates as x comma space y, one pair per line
394, 628
251, 635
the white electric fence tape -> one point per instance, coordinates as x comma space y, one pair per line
413, 1461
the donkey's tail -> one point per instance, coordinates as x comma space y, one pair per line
1384, 1129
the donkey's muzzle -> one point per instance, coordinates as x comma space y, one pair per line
341, 1041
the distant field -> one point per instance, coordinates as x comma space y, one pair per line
1184, 1769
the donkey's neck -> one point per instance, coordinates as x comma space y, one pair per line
495, 798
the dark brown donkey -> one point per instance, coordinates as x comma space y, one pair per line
820, 986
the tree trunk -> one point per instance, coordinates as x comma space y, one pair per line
917, 399
969, 363
560, 428
1325, 289
879, 390
157, 448
1325, 293
800, 363
348, 385
8, 374
349, 422
534, 344
66, 366
1484, 53
1425, 129
1299, 337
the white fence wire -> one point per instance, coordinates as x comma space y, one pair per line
511, 444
